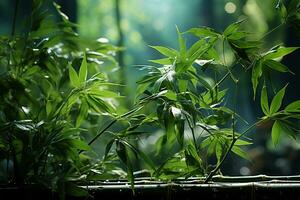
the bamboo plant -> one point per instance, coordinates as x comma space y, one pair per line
54, 89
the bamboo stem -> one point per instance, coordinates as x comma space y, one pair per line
217, 179
222, 161
198, 186
120, 43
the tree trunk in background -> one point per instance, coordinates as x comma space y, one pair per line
120, 41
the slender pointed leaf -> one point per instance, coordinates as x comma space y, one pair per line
293, 107
232, 28
277, 101
256, 74
163, 61
276, 132
280, 52
277, 66
83, 70
108, 147
73, 77
240, 152
203, 32
165, 51
182, 45
80, 144
84, 108
264, 102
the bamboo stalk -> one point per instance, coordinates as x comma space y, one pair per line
200, 186
214, 180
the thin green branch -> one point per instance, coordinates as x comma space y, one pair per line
272, 30
110, 124
249, 129
193, 133
234, 139
210, 175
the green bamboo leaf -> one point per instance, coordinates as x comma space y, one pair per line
163, 61
219, 150
182, 84
242, 45
83, 70
279, 52
232, 28
48, 107
293, 107
201, 79
277, 66
141, 88
182, 45
264, 102
240, 152
276, 132
104, 106
130, 175
157, 84
256, 74
103, 93
197, 46
80, 144
73, 77
240, 142
238, 35
192, 150
290, 129
179, 129
148, 78
169, 124
121, 151
199, 49
140, 153
212, 147
203, 32
165, 51
282, 11
84, 108
160, 143
277, 101
206, 142
32, 71
124, 157
171, 95
108, 147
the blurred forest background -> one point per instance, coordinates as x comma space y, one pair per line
135, 24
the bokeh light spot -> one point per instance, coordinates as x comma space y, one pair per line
230, 7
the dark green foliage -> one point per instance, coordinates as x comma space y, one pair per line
41, 111
53, 87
